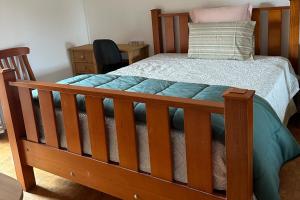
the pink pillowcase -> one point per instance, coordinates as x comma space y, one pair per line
222, 14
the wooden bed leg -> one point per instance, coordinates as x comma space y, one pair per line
10, 103
239, 143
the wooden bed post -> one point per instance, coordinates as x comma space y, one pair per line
10, 103
239, 143
294, 34
157, 31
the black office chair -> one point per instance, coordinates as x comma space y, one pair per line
108, 56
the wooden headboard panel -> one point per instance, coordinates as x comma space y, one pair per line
166, 21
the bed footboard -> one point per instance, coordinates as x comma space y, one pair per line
124, 179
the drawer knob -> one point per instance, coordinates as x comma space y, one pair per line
82, 57
135, 196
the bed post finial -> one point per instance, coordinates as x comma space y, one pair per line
239, 143
157, 31
10, 103
294, 34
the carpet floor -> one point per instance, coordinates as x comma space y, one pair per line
50, 187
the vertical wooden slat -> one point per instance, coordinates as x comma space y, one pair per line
23, 68
274, 30
159, 141
48, 118
294, 34
198, 136
157, 31
126, 134
1, 65
12, 59
7, 63
28, 114
256, 17
28, 68
170, 34
97, 131
10, 103
184, 33
71, 124
239, 143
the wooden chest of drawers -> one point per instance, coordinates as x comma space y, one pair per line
84, 62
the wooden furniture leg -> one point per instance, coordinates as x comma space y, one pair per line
10, 103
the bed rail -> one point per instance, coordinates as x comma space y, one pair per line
124, 179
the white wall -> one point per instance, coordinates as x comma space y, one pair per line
125, 20
49, 28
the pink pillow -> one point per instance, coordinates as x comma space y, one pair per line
222, 14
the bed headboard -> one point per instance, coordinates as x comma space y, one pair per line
170, 43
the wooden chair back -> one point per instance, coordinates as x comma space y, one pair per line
16, 58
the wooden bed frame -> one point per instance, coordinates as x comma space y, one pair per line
124, 179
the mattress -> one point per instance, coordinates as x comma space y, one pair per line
271, 77
177, 140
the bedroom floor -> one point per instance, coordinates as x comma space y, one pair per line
52, 187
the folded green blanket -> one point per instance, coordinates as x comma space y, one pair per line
273, 143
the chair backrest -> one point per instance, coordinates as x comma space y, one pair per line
16, 58
107, 53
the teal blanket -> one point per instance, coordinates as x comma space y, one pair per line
273, 143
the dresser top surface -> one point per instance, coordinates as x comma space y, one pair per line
122, 47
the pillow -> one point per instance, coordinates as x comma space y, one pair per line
222, 14
225, 40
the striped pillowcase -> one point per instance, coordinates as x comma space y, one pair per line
224, 40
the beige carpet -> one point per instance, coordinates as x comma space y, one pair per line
54, 187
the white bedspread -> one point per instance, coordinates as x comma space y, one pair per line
272, 78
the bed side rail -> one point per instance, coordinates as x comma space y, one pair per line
237, 109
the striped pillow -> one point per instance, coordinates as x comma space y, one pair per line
224, 40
